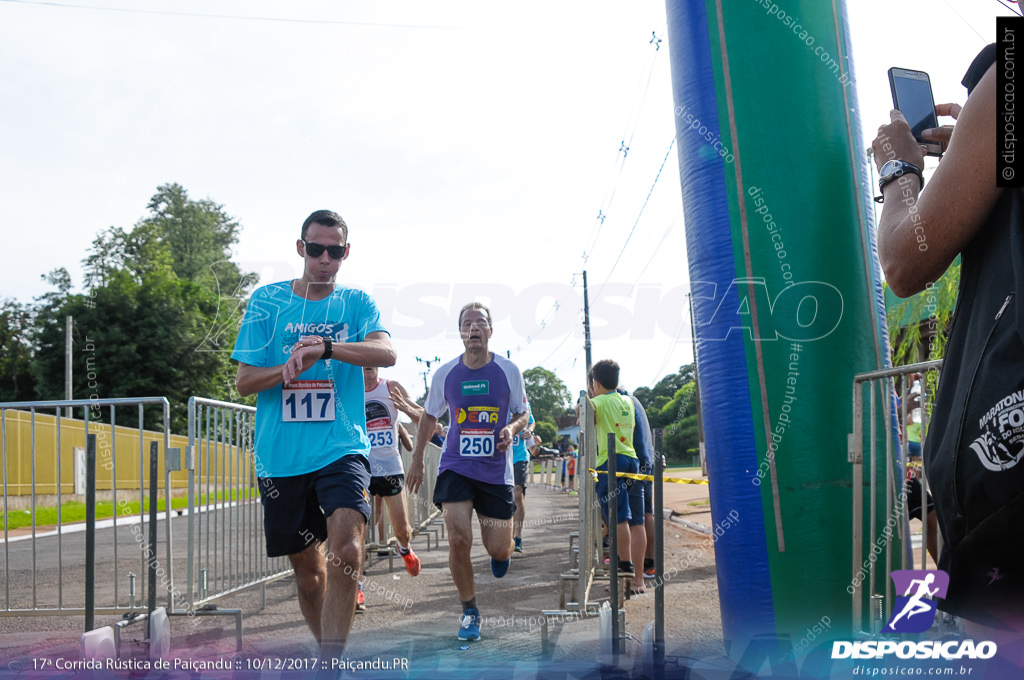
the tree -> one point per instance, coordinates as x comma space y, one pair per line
136, 339
548, 395
546, 430
193, 238
679, 418
662, 393
674, 411
16, 382
936, 304
153, 322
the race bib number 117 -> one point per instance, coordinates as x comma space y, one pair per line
306, 401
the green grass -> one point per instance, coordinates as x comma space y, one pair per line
669, 471
74, 511
676, 470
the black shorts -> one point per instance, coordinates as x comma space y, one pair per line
496, 501
519, 471
295, 509
648, 495
389, 485
913, 491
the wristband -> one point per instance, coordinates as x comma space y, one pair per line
328, 349
892, 171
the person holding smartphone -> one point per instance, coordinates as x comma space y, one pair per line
973, 452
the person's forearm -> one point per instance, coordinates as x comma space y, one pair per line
253, 379
519, 422
901, 228
377, 352
414, 411
424, 432
405, 438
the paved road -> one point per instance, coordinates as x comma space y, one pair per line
228, 548
416, 619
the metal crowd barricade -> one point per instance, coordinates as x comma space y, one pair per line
424, 516
550, 470
585, 547
880, 386
44, 466
226, 544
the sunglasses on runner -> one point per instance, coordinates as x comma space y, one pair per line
316, 250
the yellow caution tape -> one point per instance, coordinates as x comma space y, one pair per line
649, 478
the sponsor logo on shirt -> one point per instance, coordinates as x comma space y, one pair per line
1001, 444
377, 411
478, 415
337, 331
475, 387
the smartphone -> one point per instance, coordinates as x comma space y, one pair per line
912, 95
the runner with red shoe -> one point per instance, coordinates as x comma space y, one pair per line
387, 476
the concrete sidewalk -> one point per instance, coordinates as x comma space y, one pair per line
415, 620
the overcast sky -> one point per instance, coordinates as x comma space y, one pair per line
469, 145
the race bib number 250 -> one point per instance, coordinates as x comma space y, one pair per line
476, 445
306, 401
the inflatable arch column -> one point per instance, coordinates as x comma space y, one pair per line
787, 300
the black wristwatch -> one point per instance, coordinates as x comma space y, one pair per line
328, 349
893, 170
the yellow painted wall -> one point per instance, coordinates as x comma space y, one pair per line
117, 456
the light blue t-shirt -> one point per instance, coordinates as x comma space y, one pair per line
520, 451
310, 425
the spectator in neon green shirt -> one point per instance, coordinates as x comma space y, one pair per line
614, 413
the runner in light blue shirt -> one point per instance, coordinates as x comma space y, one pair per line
301, 349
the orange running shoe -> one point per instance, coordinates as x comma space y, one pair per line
412, 563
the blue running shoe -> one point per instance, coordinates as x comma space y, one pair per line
469, 625
499, 569
519, 544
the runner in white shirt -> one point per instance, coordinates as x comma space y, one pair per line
387, 476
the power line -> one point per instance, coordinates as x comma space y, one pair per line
637, 221
657, 248
672, 348
367, 24
1015, 11
965, 20
623, 151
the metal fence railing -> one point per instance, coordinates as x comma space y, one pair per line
548, 473
872, 423
585, 545
55, 564
226, 548
44, 468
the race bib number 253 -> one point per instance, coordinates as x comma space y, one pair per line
305, 401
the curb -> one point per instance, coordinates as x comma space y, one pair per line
671, 515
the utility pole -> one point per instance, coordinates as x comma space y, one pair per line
586, 323
696, 391
68, 325
426, 373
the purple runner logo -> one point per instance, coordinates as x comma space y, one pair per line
915, 609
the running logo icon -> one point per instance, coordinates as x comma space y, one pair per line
914, 611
